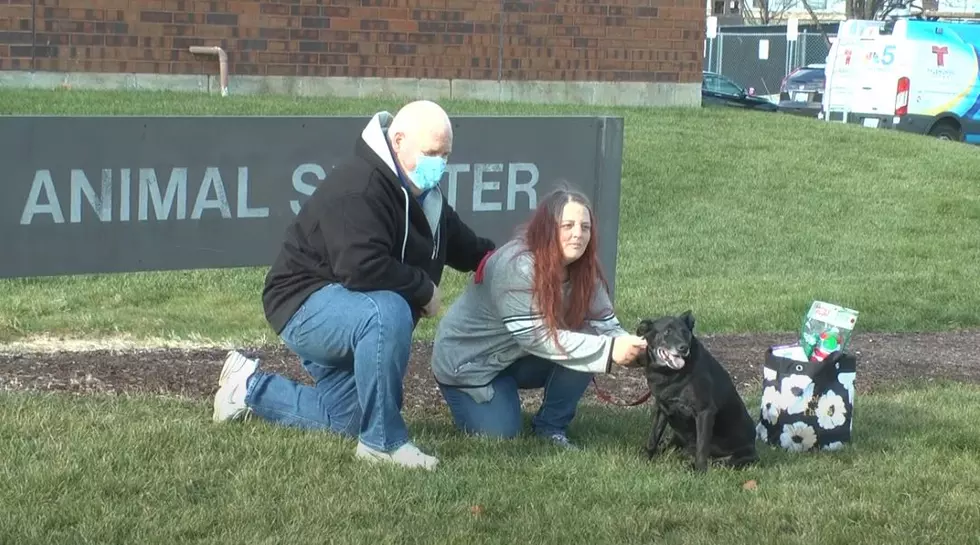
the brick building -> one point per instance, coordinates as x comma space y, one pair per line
587, 44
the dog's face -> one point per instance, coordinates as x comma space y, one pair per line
668, 339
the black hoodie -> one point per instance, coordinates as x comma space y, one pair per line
363, 229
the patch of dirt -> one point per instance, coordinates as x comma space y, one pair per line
883, 360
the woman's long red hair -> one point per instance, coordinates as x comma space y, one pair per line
542, 238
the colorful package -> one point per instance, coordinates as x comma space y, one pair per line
826, 329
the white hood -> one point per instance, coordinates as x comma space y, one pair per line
375, 135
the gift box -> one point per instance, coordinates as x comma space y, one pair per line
807, 404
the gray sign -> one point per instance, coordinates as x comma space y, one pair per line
119, 194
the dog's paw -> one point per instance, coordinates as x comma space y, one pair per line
699, 467
651, 453
742, 463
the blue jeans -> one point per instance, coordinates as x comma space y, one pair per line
501, 416
356, 347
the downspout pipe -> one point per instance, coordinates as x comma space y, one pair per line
222, 62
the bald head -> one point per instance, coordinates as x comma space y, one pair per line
420, 128
421, 115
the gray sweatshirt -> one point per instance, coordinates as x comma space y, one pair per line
493, 323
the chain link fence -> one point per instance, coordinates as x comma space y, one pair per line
760, 60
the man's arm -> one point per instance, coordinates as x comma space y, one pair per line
360, 238
464, 249
510, 290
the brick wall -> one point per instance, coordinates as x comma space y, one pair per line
585, 40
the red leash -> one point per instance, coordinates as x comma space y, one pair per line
478, 274
609, 399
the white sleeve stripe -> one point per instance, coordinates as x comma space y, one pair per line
517, 327
521, 318
608, 318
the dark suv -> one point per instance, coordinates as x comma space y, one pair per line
801, 92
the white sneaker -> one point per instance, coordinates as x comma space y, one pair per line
407, 455
229, 400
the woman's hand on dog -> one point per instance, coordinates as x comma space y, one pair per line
626, 348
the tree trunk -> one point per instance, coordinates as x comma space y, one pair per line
816, 21
861, 9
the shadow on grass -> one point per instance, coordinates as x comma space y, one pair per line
925, 417
922, 415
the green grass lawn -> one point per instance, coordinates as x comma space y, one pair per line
148, 470
744, 217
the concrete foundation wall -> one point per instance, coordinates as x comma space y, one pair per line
540, 92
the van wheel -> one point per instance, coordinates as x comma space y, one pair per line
946, 130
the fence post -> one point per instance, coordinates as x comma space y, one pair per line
789, 60
713, 59
804, 57
721, 52
710, 43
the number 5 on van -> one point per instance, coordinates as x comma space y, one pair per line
888, 55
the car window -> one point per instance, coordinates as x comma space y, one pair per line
721, 85
727, 87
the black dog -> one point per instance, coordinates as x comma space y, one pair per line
695, 395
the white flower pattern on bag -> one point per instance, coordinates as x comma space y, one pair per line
797, 437
847, 380
831, 410
796, 392
771, 404
801, 413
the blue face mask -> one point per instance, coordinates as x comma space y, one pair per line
428, 171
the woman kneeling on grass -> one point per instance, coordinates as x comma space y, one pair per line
537, 315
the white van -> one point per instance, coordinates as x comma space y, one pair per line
912, 75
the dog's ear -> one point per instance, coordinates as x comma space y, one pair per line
644, 327
688, 318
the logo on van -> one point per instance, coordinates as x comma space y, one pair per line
940, 53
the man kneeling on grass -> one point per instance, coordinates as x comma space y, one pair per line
360, 265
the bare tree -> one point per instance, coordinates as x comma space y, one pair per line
816, 21
871, 10
765, 12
